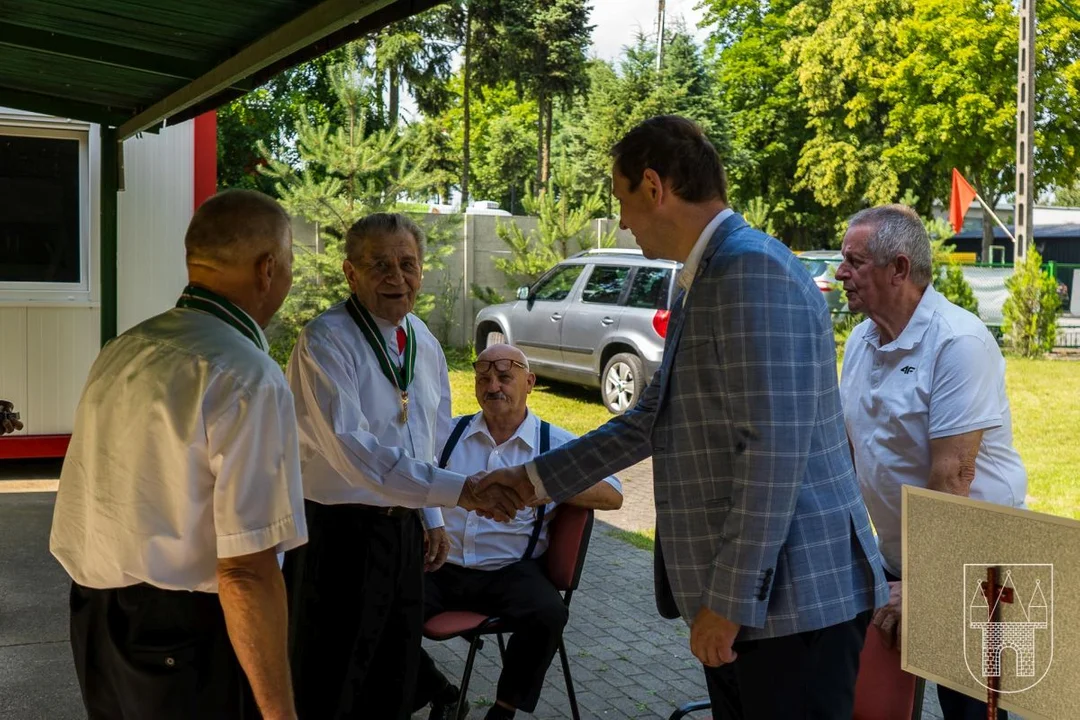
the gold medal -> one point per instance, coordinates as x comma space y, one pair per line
404, 408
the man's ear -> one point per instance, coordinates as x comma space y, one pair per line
901, 269
653, 186
530, 382
265, 267
350, 274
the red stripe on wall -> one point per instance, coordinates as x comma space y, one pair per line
20, 447
205, 156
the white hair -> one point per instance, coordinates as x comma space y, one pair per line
898, 230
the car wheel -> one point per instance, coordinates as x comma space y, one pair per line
622, 382
494, 338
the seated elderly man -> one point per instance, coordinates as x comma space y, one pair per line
491, 566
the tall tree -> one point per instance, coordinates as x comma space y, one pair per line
418, 52
902, 91
541, 48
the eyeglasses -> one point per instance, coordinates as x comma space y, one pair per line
483, 366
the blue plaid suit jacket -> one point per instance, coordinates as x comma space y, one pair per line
757, 505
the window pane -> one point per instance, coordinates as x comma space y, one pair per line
605, 285
650, 288
558, 286
39, 210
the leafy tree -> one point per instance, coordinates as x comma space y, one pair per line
901, 91
419, 51
758, 94
269, 115
348, 171
541, 48
1030, 312
623, 95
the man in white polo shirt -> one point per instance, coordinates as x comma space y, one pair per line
491, 566
180, 486
923, 387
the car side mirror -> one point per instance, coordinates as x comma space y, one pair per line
523, 293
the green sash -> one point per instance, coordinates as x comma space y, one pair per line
198, 298
398, 377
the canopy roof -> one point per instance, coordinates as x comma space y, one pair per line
135, 64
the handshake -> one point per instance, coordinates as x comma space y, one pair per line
498, 495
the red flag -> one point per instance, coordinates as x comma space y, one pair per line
962, 195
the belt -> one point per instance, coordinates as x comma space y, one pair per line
392, 511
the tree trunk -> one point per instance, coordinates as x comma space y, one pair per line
546, 157
466, 110
987, 236
540, 179
395, 97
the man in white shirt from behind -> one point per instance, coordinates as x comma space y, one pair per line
487, 569
372, 394
180, 486
923, 388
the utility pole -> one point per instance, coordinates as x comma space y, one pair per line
660, 34
1023, 211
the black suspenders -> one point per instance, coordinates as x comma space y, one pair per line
545, 445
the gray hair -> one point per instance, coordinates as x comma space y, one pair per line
380, 225
236, 225
898, 230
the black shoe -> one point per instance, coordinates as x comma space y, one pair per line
443, 707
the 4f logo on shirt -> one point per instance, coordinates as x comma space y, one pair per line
907, 369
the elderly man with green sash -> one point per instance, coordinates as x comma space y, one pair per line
372, 395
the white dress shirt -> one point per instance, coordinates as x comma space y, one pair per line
690, 267
184, 451
353, 446
944, 375
684, 281
475, 541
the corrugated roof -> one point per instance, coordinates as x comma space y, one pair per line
133, 64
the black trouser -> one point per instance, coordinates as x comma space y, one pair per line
809, 675
142, 652
355, 613
518, 593
956, 705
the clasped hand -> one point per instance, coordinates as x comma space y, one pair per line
499, 495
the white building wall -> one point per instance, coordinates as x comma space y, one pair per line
154, 210
50, 338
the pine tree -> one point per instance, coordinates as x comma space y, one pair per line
1030, 312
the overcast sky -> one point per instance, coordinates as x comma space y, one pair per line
617, 21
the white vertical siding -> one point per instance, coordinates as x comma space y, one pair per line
154, 210
13, 359
61, 346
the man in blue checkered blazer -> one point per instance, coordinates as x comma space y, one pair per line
767, 550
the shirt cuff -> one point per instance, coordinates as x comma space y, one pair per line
534, 478
445, 489
432, 518
282, 535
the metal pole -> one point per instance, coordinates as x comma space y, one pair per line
659, 35
1023, 210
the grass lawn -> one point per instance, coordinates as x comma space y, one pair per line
1044, 397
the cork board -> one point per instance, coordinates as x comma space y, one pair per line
1034, 641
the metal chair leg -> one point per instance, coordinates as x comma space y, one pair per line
502, 648
689, 708
474, 645
569, 682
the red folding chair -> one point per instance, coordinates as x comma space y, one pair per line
882, 690
569, 534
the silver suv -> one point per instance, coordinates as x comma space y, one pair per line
597, 319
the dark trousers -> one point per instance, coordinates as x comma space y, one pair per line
810, 675
355, 613
142, 652
518, 593
957, 705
